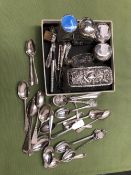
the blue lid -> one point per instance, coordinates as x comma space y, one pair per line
69, 23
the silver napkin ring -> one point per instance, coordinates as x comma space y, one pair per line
89, 76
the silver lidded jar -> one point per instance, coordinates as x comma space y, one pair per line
103, 32
87, 27
103, 51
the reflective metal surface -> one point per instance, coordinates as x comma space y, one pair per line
39, 103
90, 76
87, 27
103, 51
30, 51
23, 92
103, 32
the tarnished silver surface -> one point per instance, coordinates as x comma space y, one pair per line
90, 76
80, 60
87, 27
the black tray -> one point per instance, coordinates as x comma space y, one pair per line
87, 47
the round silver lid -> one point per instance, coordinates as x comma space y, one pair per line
103, 51
103, 32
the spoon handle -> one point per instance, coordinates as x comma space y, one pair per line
52, 75
71, 118
61, 133
34, 71
84, 139
83, 128
87, 126
49, 58
50, 125
27, 143
35, 133
26, 123
31, 78
86, 96
79, 156
85, 107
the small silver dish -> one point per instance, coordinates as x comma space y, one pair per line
103, 51
87, 27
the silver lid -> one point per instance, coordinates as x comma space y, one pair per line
103, 51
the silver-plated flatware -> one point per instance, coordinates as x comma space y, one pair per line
30, 51
40, 99
23, 92
32, 111
64, 146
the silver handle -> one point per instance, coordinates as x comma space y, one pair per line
27, 143
86, 96
52, 75
34, 71
35, 132
68, 47
78, 101
83, 128
62, 133
31, 78
59, 57
84, 139
62, 55
50, 125
25, 118
89, 125
84, 107
79, 156
49, 58
71, 118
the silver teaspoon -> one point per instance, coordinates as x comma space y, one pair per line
64, 146
39, 103
30, 51
23, 91
101, 115
32, 111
